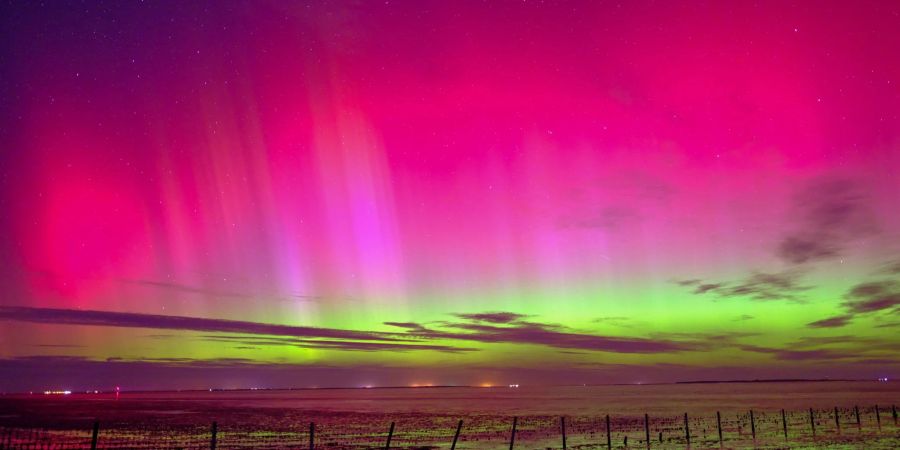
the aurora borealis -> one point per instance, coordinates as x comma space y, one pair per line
237, 194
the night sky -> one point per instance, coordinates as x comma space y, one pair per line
268, 194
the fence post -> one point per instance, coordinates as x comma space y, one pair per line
387, 446
812, 422
878, 417
719, 426
512, 436
312, 435
784, 423
647, 429
837, 420
562, 426
212, 438
858, 423
608, 435
752, 425
456, 436
687, 430
894, 413
94, 435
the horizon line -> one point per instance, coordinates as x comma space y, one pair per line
57, 391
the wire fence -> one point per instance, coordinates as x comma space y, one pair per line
867, 427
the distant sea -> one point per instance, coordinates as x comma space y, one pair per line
661, 399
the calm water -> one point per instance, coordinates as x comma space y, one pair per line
571, 400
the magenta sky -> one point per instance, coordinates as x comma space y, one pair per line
342, 193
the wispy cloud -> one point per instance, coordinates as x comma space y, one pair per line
873, 296
827, 213
831, 211
493, 317
510, 328
831, 322
760, 286
162, 322
334, 344
863, 299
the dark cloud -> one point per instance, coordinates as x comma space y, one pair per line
892, 268
830, 348
760, 286
706, 287
766, 286
616, 321
872, 297
798, 249
410, 326
801, 355
861, 343
830, 212
862, 299
544, 335
160, 322
335, 345
509, 328
707, 341
887, 302
493, 317
831, 322
871, 289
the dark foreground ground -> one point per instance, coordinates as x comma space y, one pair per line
346, 419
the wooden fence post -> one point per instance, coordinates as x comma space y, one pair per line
456, 436
687, 430
878, 417
719, 426
312, 435
94, 434
512, 436
837, 420
562, 426
647, 429
812, 423
784, 423
894, 413
858, 423
212, 438
387, 445
608, 435
752, 425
